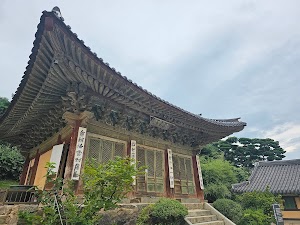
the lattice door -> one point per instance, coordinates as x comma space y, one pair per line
183, 175
153, 160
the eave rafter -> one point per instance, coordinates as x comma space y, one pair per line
59, 59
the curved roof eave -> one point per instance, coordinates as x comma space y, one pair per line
234, 124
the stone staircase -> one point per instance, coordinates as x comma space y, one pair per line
204, 214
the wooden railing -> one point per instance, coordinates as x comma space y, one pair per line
13, 196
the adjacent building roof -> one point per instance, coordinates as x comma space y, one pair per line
59, 58
282, 177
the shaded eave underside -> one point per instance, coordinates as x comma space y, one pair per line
40, 90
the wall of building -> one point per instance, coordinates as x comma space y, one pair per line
40, 178
292, 217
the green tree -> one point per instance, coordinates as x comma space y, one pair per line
244, 152
104, 185
218, 176
11, 162
259, 201
211, 151
4, 103
229, 208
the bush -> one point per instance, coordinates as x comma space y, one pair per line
212, 192
258, 206
164, 212
232, 210
254, 217
11, 162
104, 186
144, 216
259, 201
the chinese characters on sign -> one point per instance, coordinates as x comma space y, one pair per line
199, 172
171, 171
133, 156
78, 153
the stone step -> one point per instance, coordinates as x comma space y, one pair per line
217, 222
193, 205
201, 219
199, 212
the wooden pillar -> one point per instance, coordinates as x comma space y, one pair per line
72, 149
199, 191
34, 168
75, 121
25, 170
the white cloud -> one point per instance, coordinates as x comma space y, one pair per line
287, 134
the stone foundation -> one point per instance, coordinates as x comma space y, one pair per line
125, 215
9, 213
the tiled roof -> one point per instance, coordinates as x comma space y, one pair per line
59, 58
282, 177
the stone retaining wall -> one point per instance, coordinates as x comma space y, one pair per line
125, 215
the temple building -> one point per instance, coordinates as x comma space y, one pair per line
71, 106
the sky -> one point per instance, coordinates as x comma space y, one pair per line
223, 59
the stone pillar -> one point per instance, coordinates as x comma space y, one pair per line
199, 191
25, 170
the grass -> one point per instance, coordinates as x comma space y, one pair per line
6, 183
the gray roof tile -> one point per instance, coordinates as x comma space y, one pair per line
282, 177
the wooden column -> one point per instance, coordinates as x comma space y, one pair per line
25, 170
75, 121
34, 168
199, 191
72, 149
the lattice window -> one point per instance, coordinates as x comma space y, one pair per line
104, 150
119, 149
141, 179
107, 151
94, 148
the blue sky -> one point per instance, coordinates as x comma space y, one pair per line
223, 59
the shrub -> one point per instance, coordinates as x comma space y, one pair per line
259, 201
254, 217
212, 192
164, 212
104, 186
232, 210
11, 162
144, 216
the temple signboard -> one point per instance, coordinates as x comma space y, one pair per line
199, 172
133, 157
78, 153
171, 170
278, 214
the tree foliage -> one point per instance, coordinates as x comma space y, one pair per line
246, 151
11, 162
4, 103
259, 200
229, 208
104, 186
218, 176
